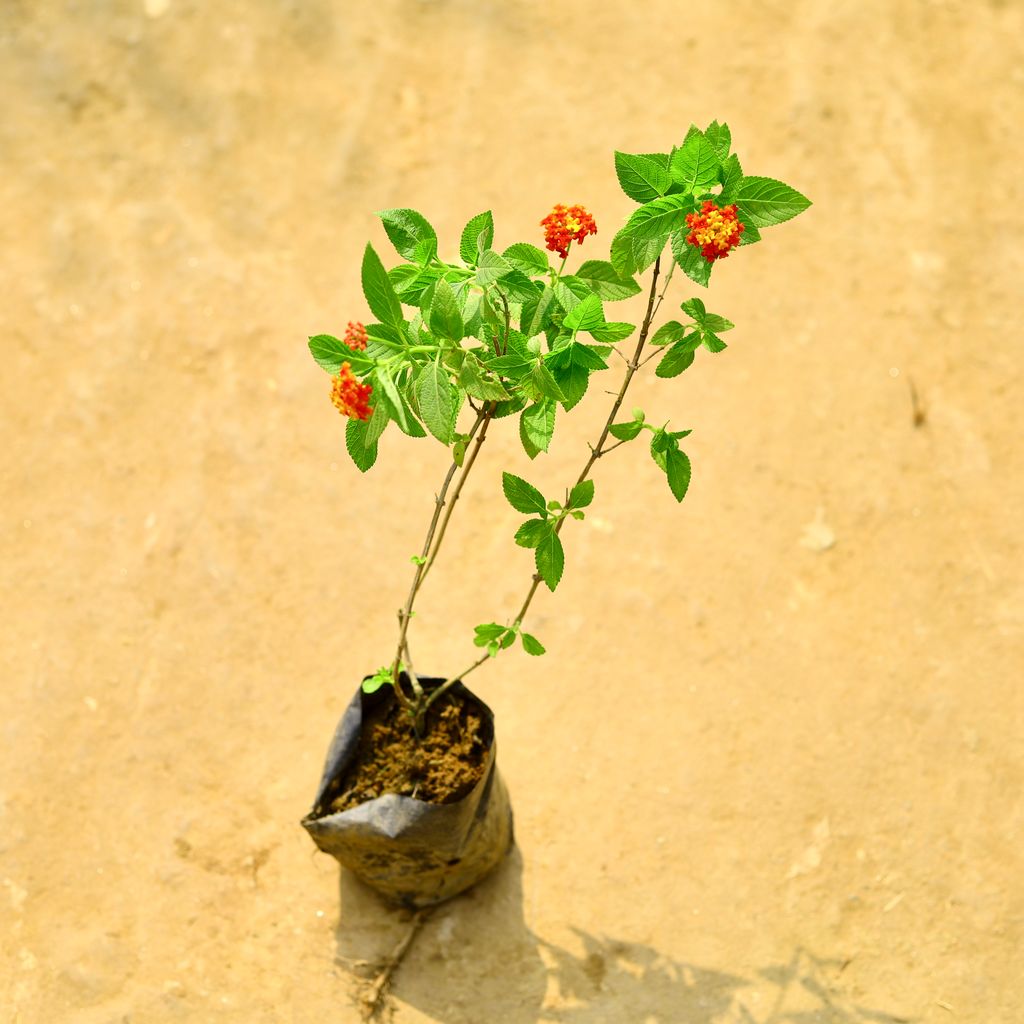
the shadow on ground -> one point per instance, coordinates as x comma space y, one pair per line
476, 960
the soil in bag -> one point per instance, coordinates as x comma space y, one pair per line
421, 821
441, 768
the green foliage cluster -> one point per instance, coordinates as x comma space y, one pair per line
508, 333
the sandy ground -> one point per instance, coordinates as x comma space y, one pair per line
772, 769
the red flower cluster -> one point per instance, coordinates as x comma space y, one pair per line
350, 397
355, 335
715, 230
566, 224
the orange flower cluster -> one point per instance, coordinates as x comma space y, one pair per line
566, 224
715, 230
350, 397
355, 336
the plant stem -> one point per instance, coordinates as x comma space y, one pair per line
486, 413
596, 451
406, 613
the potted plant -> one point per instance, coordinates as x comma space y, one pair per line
411, 798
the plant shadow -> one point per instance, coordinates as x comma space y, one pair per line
476, 960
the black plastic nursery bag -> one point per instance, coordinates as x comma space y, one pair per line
412, 852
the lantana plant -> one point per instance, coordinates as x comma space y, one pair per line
458, 344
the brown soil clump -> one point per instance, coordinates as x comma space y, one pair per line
439, 769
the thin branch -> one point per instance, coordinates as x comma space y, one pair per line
487, 412
406, 613
373, 1000
596, 451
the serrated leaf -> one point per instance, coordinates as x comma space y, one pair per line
531, 533
389, 392
543, 384
585, 316
678, 358
445, 315
767, 201
531, 644
508, 638
527, 258
330, 352
606, 282
379, 292
694, 166
660, 217
550, 559
695, 308
536, 314
668, 333
436, 401
518, 287
581, 495
678, 471
719, 137
716, 323
641, 178
471, 244
712, 342
486, 632
536, 427
612, 332
491, 267
626, 431
376, 424
472, 378
410, 233
690, 261
362, 455
522, 496
731, 175
630, 255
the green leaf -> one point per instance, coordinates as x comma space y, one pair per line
389, 392
577, 352
518, 287
550, 558
694, 165
669, 333
585, 316
531, 533
716, 323
719, 137
410, 233
331, 352
445, 316
678, 358
543, 384
690, 261
477, 236
379, 292
523, 497
536, 314
491, 267
641, 178
486, 632
508, 638
731, 175
376, 424
626, 431
751, 233
536, 427
362, 455
630, 255
527, 258
613, 332
712, 342
436, 401
606, 282
678, 470
531, 644
657, 219
382, 677
695, 308
767, 201
472, 378
581, 495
